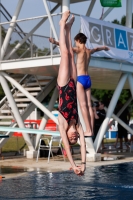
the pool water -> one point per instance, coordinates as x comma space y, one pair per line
110, 182
12, 170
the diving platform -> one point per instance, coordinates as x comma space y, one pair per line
105, 73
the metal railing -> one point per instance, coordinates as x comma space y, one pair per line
27, 44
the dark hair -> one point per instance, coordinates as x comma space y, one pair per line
81, 38
102, 102
96, 104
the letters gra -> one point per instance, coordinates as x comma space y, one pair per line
118, 38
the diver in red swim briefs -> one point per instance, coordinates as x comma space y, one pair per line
83, 79
69, 125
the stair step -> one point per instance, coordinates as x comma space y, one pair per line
22, 100
33, 89
5, 123
8, 111
21, 105
32, 93
36, 84
6, 117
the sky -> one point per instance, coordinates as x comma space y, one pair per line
32, 8
36, 7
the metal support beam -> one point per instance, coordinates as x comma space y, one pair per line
15, 111
129, 13
115, 117
45, 118
50, 20
28, 95
65, 5
11, 28
130, 80
109, 113
90, 8
106, 13
0, 42
31, 107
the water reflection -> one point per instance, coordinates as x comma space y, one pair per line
10, 170
98, 183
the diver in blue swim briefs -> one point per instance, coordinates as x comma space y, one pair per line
83, 79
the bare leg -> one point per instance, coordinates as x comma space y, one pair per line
64, 71
91, 113
84, 108
73, 70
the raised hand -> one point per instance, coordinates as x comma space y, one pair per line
106, 48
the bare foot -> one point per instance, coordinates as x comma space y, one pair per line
65, 16
89, 133
69, 24
53, 41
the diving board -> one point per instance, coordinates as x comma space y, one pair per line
31, 131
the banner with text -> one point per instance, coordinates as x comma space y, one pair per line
101, 33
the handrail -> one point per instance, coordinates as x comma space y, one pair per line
11, 18
31, 18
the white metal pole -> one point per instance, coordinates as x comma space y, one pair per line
45, 118
11, 28
15, 110
129, 13
90, 8
50, 19
109, 113
115, 117
28, 95
123, 124
106, 13
31, 46
65, 5
130, 80
0, 43
35, 114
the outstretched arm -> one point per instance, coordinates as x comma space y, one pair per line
53, 41
67, 148
83, 147
105, 48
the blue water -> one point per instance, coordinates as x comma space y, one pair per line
112, 182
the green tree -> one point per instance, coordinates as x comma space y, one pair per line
122, 21
106, 95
